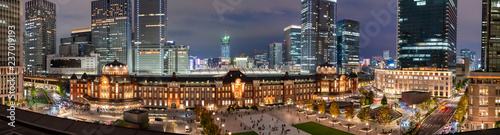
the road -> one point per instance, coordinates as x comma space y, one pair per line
438, 119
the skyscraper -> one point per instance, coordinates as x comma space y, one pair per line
78, 36
150, 33
387, 55
347, 46
11, 54
111, 30
427, 33
292, 44
177, 59
318, 33
260, 57
40, 26
225, 48
275, 55
489, 50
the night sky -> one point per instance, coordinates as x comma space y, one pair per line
253, 24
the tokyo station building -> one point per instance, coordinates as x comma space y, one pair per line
115, 88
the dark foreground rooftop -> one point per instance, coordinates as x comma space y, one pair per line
30, 123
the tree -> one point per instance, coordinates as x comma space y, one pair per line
322, 107
384, 100
497, 124
173, 125
362, 100
198, 109
33, 92
384, 116
60, 89
310, 104
144, 124
363, 91
212, 129
417, 115
122, 123
371, 97
349, 111
364, 114
334, 109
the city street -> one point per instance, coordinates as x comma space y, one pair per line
438, 119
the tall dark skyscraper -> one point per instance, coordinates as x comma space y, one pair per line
275, 55
490, 43
78, 36
111, 30
427, 33
292, 44
150, 33
40, 26
318, 33
11, 54
347, 46
225, 48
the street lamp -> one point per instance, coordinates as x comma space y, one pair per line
223, 127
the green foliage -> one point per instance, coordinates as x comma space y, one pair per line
362, 100
462, 107
121, 123
334, 109
383, 116
173, 125
349, 111
254, 107
207, 122
417, 115
60, 89
364, 114
144, 124
33, 92
322, 107
371, 97
497, 124
310, 105
384, 100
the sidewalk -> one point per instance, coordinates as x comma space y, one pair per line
267, 122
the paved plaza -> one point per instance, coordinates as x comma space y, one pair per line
263, 124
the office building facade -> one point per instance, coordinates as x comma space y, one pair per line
40, 27
177, 59
275, 55
427, 33
150, 31
12, 51
225, 47
348, 46
78, 36
387, 55
438, 83
318, 33
111, 30
68, 65
260, 58
292, 44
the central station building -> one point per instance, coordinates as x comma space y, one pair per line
115, 88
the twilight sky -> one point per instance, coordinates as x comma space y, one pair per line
253, 24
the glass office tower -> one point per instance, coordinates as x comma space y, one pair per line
427, 33
275, 55
225, 48
318, 33
490, 43
111, 31
150, 33
11, 54
40, 26
347, 46
292, 44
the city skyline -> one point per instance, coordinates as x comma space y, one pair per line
254, 27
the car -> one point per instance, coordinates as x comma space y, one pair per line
158, 119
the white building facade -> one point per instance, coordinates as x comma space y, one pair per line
438, 83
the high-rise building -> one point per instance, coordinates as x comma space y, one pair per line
484, 96
275, 55
225, 48
40, 27
78, 36
111, 30
76, 49
292, 44
177, 59
150, 34
387, 55
260, 58
347, 46
318, 33
11, 54
427, 33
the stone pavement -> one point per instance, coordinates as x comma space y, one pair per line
267, 123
